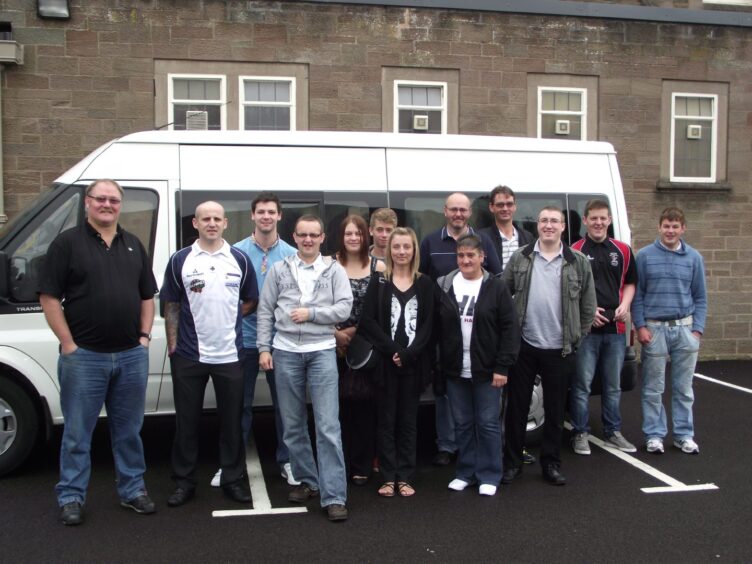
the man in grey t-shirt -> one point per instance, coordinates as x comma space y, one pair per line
555, 298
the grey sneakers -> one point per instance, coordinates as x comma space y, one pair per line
617, 440
580, 443
687, 446
654, 446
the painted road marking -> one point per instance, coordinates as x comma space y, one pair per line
722, 383
672, 485
261, 503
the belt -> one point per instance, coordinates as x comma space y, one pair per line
672, 322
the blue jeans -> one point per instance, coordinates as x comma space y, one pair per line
250, 374
678, 344
604, 351
476, 407
318, 372
445, 437
89, 380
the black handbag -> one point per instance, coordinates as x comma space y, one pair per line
361, 355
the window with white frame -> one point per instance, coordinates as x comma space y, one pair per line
562, 113
196, 101
420, 107
694, 133
268, 103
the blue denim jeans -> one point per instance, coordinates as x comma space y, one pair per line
604, 351
445, 433
89, 380
250, 374
678, 344
476, 407
318, 372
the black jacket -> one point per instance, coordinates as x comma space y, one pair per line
524, 238
376, 328
495, 338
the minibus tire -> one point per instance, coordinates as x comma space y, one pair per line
19, 425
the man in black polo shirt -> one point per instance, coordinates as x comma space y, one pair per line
97, 292
615, 276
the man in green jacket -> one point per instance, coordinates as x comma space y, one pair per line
554, 294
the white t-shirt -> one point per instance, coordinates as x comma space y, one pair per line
466, 292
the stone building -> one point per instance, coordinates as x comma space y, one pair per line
668, 83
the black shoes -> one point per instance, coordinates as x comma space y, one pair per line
141, 504
552, 474
180, 496
442, 458
301, 494
336, 512
72, 513
238, 491
511, 474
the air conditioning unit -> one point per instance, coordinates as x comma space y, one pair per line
420, 123
561, 127
694, 131
196, 120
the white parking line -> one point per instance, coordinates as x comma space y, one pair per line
722, 383
261, 503
672, 485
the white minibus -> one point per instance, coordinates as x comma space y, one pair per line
165, 174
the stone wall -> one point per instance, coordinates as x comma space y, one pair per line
90, 79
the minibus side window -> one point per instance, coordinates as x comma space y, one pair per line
139, 215
26, 260
575, 211
529, 205
338, 205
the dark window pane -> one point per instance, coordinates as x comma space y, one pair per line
214, 115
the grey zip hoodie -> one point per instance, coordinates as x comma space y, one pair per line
331, 304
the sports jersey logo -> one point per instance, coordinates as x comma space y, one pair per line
197, 286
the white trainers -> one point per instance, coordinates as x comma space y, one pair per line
687, 446
286, 473
216, 479
654, 446
487, 489
580, 443
617, 440
458, 485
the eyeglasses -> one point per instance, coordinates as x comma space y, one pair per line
308, 235
105, 199
551, 220
458, 210
504, 204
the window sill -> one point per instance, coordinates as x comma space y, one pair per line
664, 185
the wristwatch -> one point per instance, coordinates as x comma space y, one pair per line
146, 335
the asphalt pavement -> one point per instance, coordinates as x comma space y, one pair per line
608, 512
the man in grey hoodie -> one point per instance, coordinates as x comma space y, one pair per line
304, 297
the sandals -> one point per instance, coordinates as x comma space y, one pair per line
387, 489
405, 489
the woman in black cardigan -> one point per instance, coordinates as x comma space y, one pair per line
479, 341
397, 319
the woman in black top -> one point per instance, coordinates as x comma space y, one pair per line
357, 410
397, 320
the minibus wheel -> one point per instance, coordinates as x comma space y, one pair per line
18, 425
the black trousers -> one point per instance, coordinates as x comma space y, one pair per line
397, 427
358, 420
555, 372
189, 379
